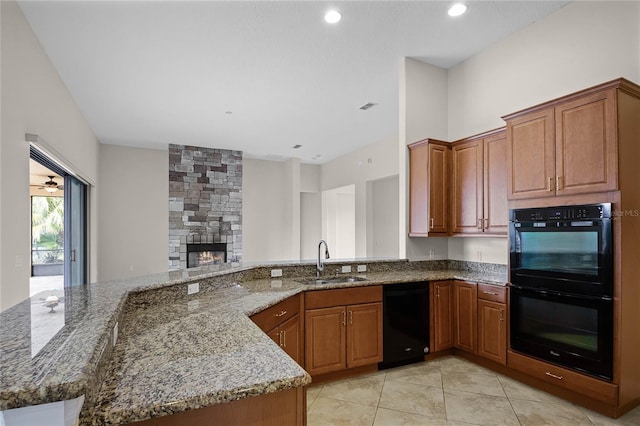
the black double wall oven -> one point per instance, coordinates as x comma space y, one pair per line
561, 298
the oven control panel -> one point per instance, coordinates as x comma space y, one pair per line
591, 211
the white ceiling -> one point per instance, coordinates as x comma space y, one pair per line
149, 73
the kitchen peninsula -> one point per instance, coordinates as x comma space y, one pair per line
176, 351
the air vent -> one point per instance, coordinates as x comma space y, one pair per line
297, 146
367, 106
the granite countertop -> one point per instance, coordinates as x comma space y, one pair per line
175, 351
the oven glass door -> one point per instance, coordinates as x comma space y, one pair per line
575, 332
578, 252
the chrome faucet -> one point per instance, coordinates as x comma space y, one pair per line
320, 264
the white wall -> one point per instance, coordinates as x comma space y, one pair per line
266, 211
34, 100
423, 114
383, 219
375, 161
134, 215
581, 45
338, 221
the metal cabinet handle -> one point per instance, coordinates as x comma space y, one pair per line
486, 223
438, 291
281, 313
558, 183
280, 335
550, 184
284, 338
479, 224
351, 317
490, 292
344, 318
501, 314
431, 223
550, 374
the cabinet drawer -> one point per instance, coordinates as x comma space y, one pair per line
493, 293
576, 382
277, 314
342, 296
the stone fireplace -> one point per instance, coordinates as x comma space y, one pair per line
205, 206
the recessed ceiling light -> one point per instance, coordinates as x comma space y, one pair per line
457, 9
332, 17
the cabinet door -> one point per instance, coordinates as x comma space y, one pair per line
467, 187
492, 331
586, 144
291, 342
364, 334
418, 189
531, 155
465, 314
438, 189
442, 315
325, 340
496, 209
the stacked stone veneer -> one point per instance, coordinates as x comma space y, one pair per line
205, 200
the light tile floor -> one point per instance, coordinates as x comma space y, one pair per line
446, 391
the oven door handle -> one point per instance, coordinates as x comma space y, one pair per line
556, 293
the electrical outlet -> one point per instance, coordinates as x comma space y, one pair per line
193, 288
346, 269
114, 335
276, 273
362, 268
478, 255
432, 254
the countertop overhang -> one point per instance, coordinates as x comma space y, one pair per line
175, 351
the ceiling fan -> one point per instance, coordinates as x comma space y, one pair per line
51, 185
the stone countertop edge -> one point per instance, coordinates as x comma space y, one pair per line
83, 378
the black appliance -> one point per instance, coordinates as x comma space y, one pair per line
561, 298
405, 324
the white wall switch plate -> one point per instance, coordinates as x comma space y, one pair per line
346, 269
193, 288
276, 273
362, 268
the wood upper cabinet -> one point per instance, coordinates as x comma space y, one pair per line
465, 295
344, 336
565, 147
479, 184
441, 321
428, 188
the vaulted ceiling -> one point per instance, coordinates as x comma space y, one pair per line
257, 76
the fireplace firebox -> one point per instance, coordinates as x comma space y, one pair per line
206, 254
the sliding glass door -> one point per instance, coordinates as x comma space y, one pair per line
75, 236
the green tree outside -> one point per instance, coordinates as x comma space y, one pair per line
47, 229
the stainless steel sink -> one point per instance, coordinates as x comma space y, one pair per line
333, 280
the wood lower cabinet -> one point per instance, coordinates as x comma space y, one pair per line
284, 408
479, 184
492, 331
465, 296
428, 188
441, 315
345, 336
281, 323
